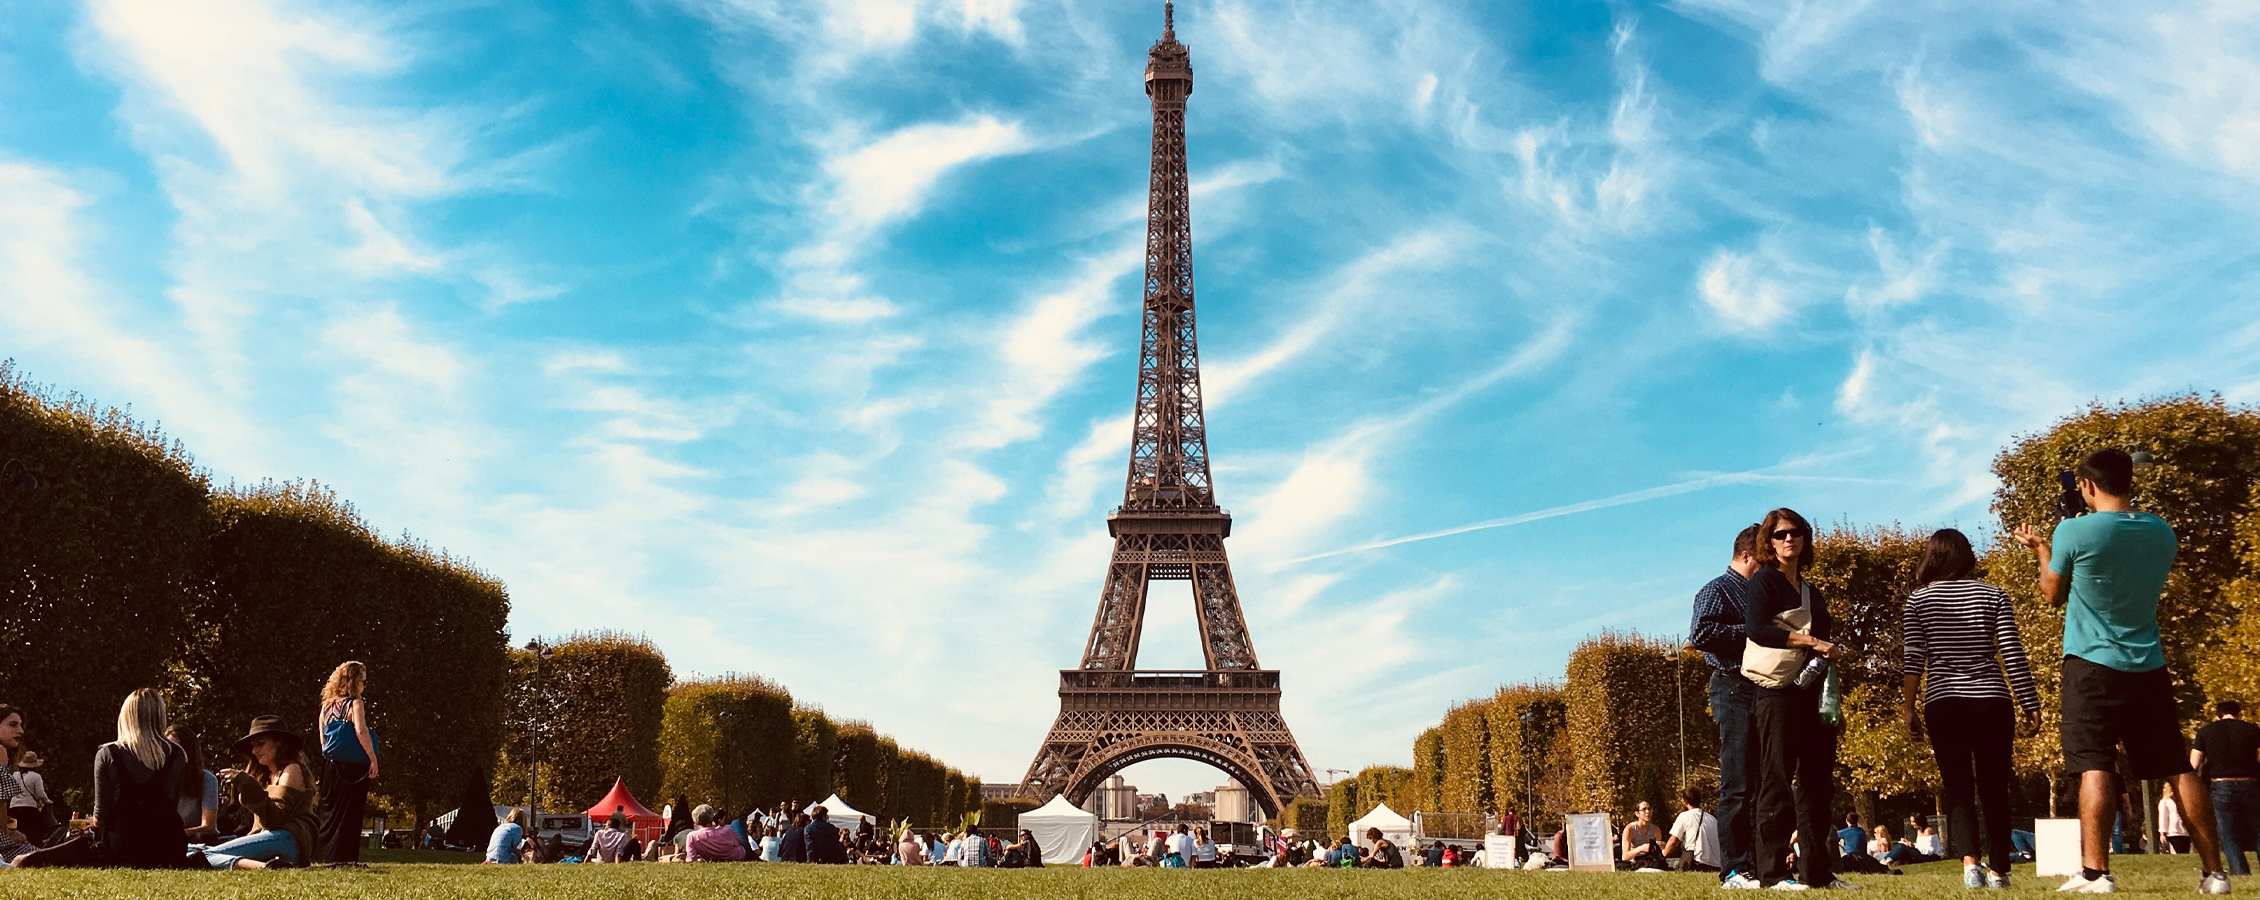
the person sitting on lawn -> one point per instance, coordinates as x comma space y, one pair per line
610, 844
137, 785
1382, 855
508, 845
1643, 841
823, 838
1023, 853
276, 786
712, 841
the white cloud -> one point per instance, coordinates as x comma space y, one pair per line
1742, 293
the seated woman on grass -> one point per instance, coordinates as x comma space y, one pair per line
509, 844
274, 785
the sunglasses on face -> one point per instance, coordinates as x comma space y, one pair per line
1788, 534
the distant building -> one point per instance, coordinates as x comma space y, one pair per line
1148, 801
999, 791
1232, 804
1114, 801
1203, 798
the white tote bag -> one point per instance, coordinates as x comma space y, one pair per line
1775, 668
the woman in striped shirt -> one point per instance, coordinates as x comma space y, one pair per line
1964, 656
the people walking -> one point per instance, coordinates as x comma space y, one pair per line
2227, 756
1964, 658
1796, 750
2107, 569
349, 753
1718, 631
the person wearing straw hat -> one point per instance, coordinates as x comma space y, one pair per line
275, 785
29, 808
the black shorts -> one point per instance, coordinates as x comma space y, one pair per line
2104, 707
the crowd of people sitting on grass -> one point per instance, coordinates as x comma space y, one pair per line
156, 806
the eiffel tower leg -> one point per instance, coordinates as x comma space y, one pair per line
1122, 607
1224, 630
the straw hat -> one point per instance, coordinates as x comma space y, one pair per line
272, 727
31, 760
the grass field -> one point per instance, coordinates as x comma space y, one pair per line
2140, 875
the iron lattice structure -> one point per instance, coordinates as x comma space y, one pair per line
1169, 527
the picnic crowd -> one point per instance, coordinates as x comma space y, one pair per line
1763, 627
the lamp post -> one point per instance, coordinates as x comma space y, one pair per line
542, 652
729, 720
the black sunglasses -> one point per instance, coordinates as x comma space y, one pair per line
1787, 533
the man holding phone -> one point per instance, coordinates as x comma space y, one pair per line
2108, 568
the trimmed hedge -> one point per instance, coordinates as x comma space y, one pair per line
1527, 722
1466, 741
94, 563
593, 711
1623, 730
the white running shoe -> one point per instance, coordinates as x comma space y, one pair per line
2079, 884
1996, 881
1788, 884
1973, 876
1740, 881
2213, 883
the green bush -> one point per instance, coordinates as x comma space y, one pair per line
1428, 769
594, 712
1466, 740
94, 566
720, 740
1624, 731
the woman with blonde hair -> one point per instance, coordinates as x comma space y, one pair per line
137, 782
349, 751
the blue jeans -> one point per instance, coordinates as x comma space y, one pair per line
2236, 808
266, 846
1731, 700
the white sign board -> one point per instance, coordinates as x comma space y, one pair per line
2056, 846
1500, 852
1589, 843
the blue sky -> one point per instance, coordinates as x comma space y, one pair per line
799, 335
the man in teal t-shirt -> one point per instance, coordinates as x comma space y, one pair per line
2107, 568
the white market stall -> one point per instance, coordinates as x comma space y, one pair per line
1397, 829
1064, 830
846, 817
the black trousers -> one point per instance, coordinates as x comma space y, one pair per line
345, 801
1796, 783
1972, 739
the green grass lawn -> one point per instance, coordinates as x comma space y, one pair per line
2141, 875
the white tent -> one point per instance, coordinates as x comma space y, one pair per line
1063, 829
1396, 828
842, 815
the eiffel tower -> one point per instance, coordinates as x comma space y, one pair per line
1169, 527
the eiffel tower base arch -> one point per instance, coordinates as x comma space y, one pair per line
1229, 719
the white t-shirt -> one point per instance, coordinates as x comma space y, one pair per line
1698, 830
2170, 818
1182, 845
1928, 843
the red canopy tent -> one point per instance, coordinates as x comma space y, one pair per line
647, 825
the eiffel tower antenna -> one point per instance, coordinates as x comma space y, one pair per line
1169, 527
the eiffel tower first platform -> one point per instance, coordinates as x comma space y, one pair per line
1169, 527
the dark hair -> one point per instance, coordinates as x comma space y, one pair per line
1373, 834
1690, 796
7, 710
1747, 541
193, 785
618, 822
1852, 818
1765, 537
2228, 708
2111, 469
1948, 558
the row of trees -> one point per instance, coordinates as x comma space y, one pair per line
1606, 737
122, 566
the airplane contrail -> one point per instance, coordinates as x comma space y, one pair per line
1653, 493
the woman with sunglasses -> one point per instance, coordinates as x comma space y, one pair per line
1796, 751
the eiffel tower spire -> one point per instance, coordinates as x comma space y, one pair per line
1169, 527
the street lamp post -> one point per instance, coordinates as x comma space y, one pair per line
542, 652
729, 720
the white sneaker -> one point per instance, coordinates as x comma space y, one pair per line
1996, 881
2079, 884
1839, 884
2213, 883
1788, 884
1740, 882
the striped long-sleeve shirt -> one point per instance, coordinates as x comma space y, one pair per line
1961, 639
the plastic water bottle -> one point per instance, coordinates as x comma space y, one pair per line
1815, 669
